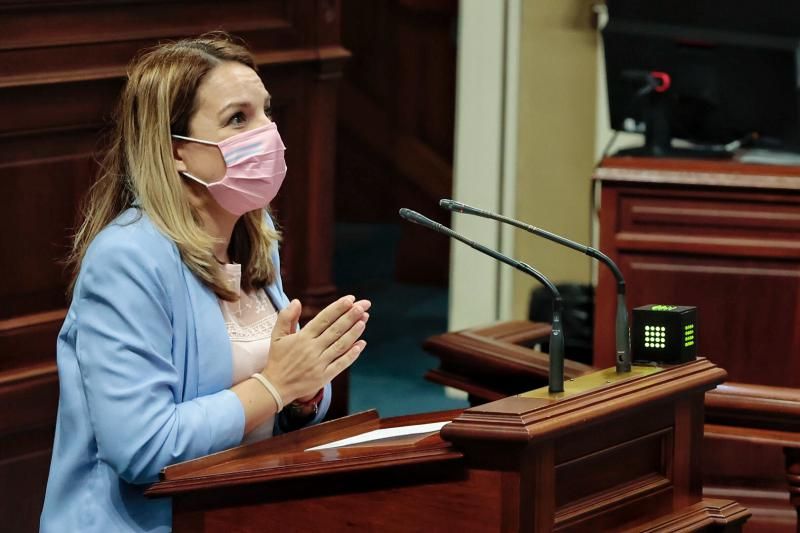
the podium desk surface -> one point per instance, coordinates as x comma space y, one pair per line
285, 456
616, 455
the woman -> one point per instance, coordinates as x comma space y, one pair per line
180, 341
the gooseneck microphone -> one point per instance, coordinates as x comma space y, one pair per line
623, 359
556, 377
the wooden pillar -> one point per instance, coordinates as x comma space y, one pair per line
793, 478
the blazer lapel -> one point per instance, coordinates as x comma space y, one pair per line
276, 296
213, 346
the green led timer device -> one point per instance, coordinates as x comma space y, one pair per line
664, 334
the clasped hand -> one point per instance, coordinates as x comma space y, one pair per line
301, 362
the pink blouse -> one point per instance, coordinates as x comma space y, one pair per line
249, 322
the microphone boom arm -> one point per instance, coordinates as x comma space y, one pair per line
623, 357
556, 373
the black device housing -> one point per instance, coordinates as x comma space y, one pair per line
664, 334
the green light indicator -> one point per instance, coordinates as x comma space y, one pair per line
663, 307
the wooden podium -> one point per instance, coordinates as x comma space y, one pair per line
610, 453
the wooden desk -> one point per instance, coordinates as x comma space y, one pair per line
493, 362
607, 456
725, 237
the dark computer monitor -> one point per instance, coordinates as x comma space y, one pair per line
707, 71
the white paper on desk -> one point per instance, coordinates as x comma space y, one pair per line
379, 434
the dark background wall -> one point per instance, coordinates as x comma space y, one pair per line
396, 122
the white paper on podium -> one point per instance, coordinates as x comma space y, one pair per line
379, 434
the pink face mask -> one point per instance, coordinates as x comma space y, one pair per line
255, 169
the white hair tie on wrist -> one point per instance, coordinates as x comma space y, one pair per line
271, 388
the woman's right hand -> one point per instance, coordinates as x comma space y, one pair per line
302, 362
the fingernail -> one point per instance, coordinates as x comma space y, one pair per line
365, 317
350, 298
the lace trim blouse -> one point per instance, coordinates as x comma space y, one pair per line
249, 322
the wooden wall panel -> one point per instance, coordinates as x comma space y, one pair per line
733, 292
396, 123
37, 220
62, 65
729, 247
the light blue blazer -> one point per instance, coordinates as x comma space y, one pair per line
144, 367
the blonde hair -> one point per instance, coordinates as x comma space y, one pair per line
138, 166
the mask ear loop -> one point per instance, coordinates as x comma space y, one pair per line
193, 178
201, 141
192, 139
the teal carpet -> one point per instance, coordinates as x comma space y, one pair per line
389, 374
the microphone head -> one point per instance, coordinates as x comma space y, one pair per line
407, 214
422, 220
416, 218
451, 205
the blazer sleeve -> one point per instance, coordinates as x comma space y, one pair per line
124, 346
